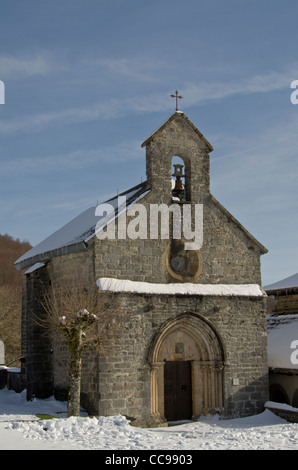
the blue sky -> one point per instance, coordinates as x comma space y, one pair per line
86, 81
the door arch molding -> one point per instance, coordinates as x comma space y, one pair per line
188, 337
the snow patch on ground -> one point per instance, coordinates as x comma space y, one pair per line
21, 429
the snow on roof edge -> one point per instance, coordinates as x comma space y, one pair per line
125, 285
35, 267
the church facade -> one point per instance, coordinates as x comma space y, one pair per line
195, 341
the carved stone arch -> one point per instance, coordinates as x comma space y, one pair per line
188, 337
197, 327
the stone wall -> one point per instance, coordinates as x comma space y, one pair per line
37, 368
74, 267
10, 377
124, 384
228, 254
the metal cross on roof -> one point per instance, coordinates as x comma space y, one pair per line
177, 97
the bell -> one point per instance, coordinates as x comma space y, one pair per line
178, 185
178, 190
178, 171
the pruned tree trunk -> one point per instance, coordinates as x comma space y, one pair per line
75, 372
85, 317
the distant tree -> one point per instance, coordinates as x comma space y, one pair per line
10, 322
7, 302
85, 317
10, 295
10, 250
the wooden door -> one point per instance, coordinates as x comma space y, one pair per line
177, 390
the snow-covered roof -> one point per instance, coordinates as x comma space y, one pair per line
288, 282
74, 236
282, 332
125, 285
34, 267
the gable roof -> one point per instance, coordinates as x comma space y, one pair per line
287, 283
177, 115
262, 248
75, 235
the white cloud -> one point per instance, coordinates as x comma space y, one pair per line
270, 159
107, 110
19, 67
258, 183
139, 68
78, 159
193, 94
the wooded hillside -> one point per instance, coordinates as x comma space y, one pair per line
10, 296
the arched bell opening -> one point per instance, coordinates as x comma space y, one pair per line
180, 179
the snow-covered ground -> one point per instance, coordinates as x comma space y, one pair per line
21, 429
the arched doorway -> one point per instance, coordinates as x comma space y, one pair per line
187, 360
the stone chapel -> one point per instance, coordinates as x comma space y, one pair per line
196, 340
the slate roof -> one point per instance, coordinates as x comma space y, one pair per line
75, 235
287, 283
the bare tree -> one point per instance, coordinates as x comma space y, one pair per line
86, 317
9, 301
